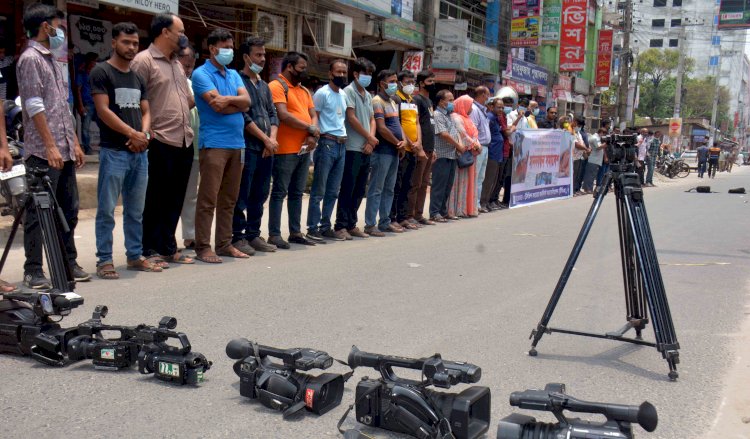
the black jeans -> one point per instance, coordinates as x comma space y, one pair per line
579, 168
168, 175
254, 189
713, 165
491, 182
353, 187
289, 177
400, 207
507, 174
443, 174
66, 191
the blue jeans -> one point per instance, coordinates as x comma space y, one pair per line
126, 173
481, 169
380, 191
651, 162
702, 168
329, 160
289, 177
254, 189
86, 120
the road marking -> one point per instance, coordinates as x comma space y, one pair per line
532, 235
700, 264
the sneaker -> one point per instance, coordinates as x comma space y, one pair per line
79, 275
355, 232
299, 238
373, 231
244, 246
336, 235
278, 242
36, 280
261, 245
316, 237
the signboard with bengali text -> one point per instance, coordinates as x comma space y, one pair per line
573, 35
542, 167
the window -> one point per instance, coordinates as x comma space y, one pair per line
676, 2
713, 61
716, 40
474, 12
674, 43
660, 3
657, 23
676, 22
656, 43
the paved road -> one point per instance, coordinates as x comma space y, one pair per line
471, 290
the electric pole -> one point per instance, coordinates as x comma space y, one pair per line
712, 130
622, 92
680, 74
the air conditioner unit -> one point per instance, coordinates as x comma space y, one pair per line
273, 29
337, 37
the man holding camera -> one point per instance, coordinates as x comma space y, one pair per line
50, 139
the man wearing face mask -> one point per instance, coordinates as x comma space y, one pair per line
221, 100
330, 104
409, 118
481, 120
532, 113
384, 159
50, 140
298, 136
447, 146
420, 179
504, 172
170, 150
261, 128
360, 141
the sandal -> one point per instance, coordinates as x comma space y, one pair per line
178, 258
158, 261
231, 252
143, 264
209, 258
107, 272
6, 287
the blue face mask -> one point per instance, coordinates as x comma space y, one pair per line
57, 40
507, 110
364, 80
450, 107
392, 89
225, 56
535, 112
256, 68
521, 109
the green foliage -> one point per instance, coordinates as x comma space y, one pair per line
699, 99
657, 70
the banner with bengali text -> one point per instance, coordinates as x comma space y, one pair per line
542, 165
604, 58
573, 35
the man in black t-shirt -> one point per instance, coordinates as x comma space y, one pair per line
124, 122
420, 178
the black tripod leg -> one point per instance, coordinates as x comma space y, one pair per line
60, 271
541, 328
13, 230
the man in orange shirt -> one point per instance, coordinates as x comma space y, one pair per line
298, 135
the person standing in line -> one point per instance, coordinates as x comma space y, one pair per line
85, 100
261, 129
644, 140
186, 57
533, 113
595, 160
422, 170
550, 120
330, 105
170, 152
505, 172
409, 117
221, 100
297, 136
461, 203
125, 123
653, 152
713, 160
479, 115
702, 153
360, 142
447, 146
579, 156
384, 159
49, 138
494, 154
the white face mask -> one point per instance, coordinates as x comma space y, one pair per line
408, 89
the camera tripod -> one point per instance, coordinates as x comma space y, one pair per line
644, 287
41, 198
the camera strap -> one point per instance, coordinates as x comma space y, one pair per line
353, 433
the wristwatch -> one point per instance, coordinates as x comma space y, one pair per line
148, 135
311, 129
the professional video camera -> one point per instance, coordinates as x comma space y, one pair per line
622, 151
553, 399
408, 406
280, 386
24, 316
13, 184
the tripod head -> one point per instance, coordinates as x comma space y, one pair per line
48, 303
622, 152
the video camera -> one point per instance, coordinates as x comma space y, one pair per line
553, 399
407, 406
622, 151
280, 386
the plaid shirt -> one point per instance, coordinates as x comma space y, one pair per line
40, 76
653, 150
444, 123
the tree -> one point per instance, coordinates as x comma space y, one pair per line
656, 71
699, 99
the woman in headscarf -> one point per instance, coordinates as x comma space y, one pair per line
462, 201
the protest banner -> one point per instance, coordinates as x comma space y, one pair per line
542, 167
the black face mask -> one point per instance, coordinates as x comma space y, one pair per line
183, 42
340, 81
299, 76
431, 88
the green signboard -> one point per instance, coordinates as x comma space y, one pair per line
734, 14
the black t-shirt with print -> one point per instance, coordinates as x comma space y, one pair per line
426, 122
125, 91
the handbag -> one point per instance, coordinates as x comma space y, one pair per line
465, 159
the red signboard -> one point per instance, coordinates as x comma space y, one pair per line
573, 35
604, 58
565, 83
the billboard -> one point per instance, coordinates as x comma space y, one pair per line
734, 14
525, 25
604, 58
573, 22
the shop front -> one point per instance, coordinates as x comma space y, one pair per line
528, 79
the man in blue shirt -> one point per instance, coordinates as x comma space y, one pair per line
702, 159
330, 104
494, 153
221, 98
